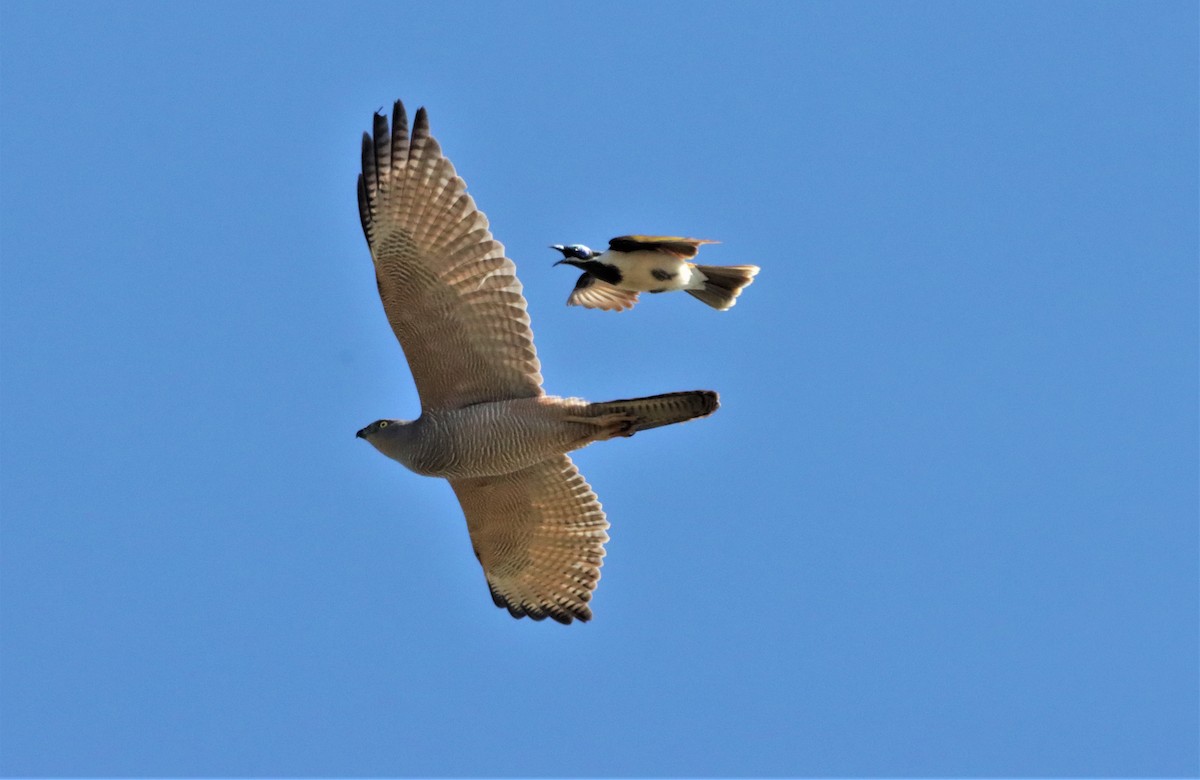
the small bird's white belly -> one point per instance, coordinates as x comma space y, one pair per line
637, 271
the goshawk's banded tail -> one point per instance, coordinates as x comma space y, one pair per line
655, 411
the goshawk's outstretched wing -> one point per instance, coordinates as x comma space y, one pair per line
539, 534
450, 294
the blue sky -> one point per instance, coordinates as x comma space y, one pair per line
945, 522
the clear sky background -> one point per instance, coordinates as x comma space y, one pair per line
944, 523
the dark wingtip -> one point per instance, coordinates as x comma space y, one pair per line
564, 614
399, 115
420, 125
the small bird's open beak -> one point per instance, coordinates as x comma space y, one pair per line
560, 262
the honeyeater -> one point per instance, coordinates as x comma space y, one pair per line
612, 279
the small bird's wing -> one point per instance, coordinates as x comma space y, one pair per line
450, 294
671, 245
594, 293
539, 534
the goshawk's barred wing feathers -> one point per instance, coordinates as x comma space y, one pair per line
539, 534
450, 294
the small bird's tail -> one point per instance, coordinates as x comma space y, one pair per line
655, 411
723, 284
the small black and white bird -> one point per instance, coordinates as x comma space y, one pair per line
612, 279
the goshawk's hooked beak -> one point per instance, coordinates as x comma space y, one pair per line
361, 434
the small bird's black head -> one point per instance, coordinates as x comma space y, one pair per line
573, 252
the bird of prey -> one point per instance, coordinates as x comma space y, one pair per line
611, 280
486, 425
